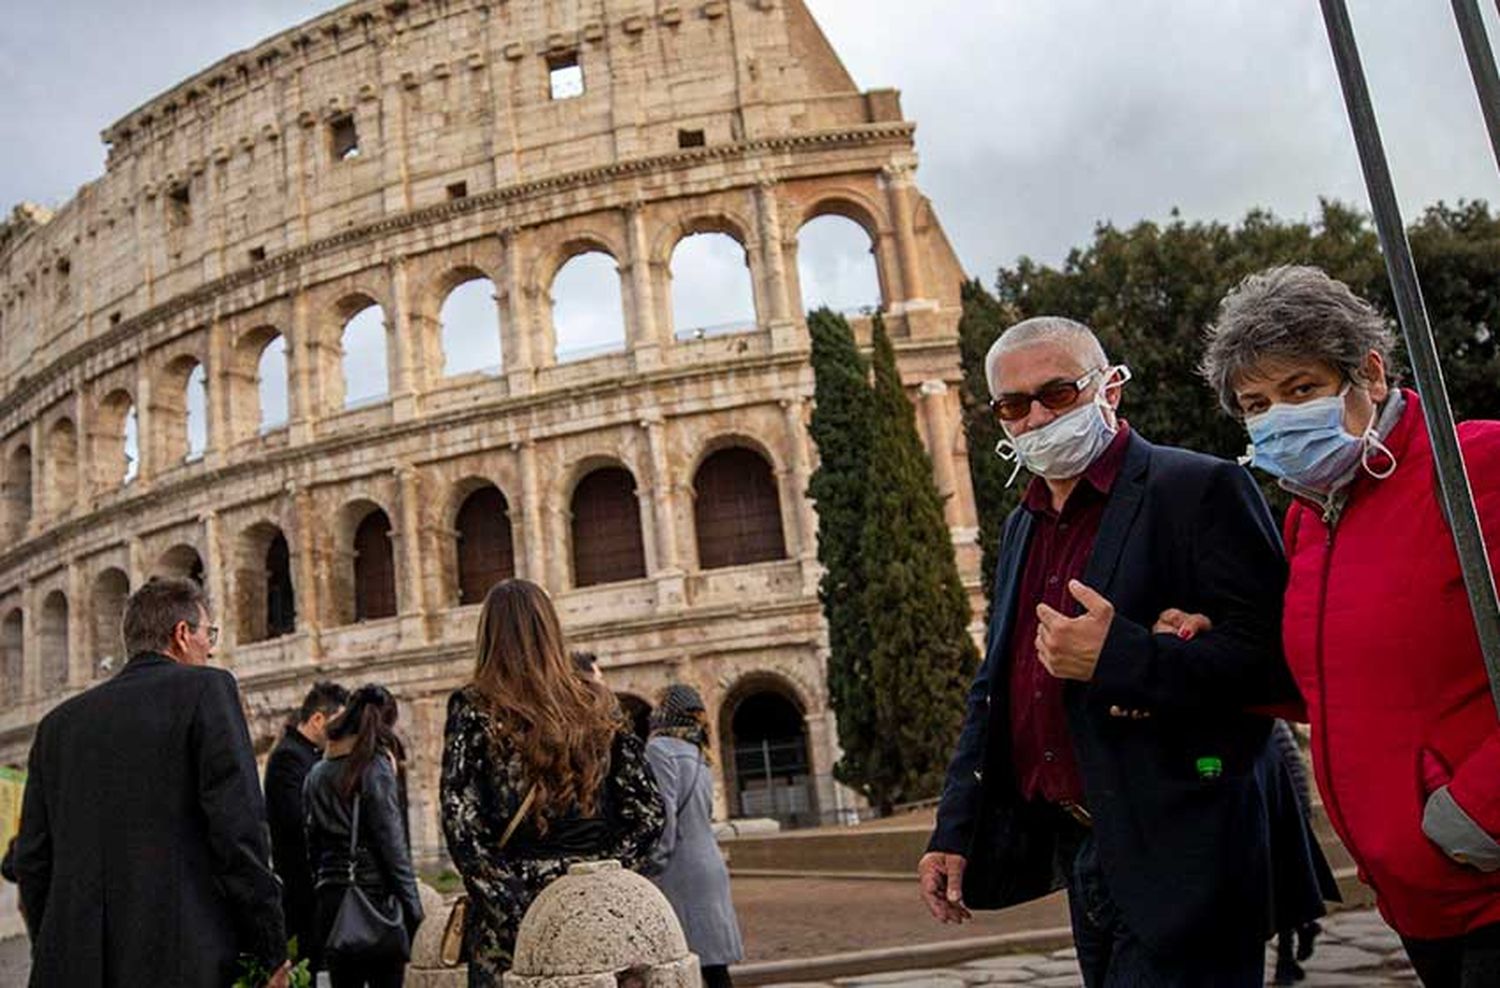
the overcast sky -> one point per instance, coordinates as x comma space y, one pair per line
1036, 118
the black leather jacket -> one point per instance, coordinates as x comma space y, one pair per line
382, 859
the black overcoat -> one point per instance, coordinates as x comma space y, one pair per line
143, 855
286, 770
1187, 858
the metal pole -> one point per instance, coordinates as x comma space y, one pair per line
1481, 66
1453, 479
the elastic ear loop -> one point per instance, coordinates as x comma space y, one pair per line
1372, 444
1006, 450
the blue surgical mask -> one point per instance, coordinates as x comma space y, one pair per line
1307, 444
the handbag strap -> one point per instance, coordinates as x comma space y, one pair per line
515, 821
353, 837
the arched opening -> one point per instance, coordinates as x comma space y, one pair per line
374, 568
115, 441
638, 712
836, 266
61, 468
18, 493
736, 510
271, 383
470, 322
766, 766
712, 292
588, 314
607, 543
485, 551
13, 656
365, 371
265, 601
107, 644
52, 642
195, 403
181, 562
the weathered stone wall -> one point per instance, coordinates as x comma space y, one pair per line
224, 220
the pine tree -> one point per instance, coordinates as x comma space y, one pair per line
921, 656
841, 428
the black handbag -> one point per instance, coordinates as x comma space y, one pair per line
360, 930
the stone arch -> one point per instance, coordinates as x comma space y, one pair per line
60, 468
737, 509
483, 541
178, 429
259, 382
13, 656
585, 310
364, 376
17, 492
366, 584
608, 545
766, 750
181, 562
114, 447
710, 279
107, 606
52, 642
838, 268
469, 321
264, 596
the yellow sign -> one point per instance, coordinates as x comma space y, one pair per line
12, 785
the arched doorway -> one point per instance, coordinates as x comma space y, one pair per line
767, 771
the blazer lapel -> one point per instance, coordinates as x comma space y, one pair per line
1004, 616
1119, 515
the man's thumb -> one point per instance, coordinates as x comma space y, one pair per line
1086, 595
955, 867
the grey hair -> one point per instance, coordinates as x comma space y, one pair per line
1069, 333
1293, 313
153, 612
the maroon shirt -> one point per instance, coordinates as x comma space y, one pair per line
1061, 542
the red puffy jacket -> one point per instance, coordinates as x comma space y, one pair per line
1381, 640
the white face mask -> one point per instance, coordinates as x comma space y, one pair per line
1066, 446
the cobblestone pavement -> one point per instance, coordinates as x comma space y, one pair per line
1356, 949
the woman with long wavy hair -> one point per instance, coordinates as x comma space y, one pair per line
539, 771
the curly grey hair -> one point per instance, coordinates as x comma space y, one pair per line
1293, 313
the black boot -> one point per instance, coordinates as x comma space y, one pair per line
1288, 971
1306, 934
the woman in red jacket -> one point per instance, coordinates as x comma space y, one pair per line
1377, 627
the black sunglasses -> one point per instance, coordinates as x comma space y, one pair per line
1014, 406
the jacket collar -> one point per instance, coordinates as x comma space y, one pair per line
143, 660
1119, 514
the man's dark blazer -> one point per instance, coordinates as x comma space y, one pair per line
142, 855
286, 770
1186, 858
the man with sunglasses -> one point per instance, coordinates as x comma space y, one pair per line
1100, 751
143, 852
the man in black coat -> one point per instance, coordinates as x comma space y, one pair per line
142, 855
1100, 751
299, 749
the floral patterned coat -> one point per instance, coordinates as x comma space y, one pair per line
483, 787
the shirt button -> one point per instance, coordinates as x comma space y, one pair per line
1048, 756
1037, 695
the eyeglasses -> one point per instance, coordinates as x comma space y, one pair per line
213, 633
1014, 406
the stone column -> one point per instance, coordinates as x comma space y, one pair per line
802, 522
139, 568
305, 397
533, 520
519, 325
668, 572
218, 380
410, 558
36, 521
643, 332
899, 185
401, 348
80, 617
787, 331
145, 424
934, 401
305, 580
216, 575
31, 659
83, 419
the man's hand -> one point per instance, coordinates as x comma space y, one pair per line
282, 977
942, 879
1070, 647
1182, 624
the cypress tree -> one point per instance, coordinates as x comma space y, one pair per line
841, 427
916, 613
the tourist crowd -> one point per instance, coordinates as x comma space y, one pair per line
1151, 622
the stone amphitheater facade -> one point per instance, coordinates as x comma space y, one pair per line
233, 213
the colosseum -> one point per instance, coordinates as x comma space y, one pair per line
249, 353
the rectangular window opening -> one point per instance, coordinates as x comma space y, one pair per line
566, 75
458, 190
691, 139
343, 138
257, 254
179, 206
114, 318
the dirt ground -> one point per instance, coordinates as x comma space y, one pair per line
806, 917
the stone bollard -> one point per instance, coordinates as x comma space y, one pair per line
600, 926
426, 968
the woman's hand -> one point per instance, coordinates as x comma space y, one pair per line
1182, 624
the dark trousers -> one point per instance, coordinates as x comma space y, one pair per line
716, 976
1110, 956
1469, 961
353, 972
